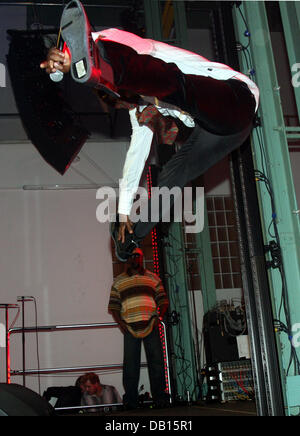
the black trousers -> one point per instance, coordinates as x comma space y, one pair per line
201, 151
132, 363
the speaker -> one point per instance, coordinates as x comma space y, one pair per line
219, 345
50, 123
16, 400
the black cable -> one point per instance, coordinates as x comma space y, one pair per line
284, 302
246, 25
183, 364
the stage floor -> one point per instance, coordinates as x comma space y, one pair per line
231, 408
234, 408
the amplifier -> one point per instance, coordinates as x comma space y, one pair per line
228, 381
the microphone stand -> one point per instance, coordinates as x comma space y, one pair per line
23, 299
7, 336
23, 340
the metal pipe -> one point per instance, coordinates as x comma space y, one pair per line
24, 330
63, 4
70, 369
73, 369
63, 327
7, 343
94, 406
23, 340
7, 336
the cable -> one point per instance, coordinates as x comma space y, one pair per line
184, 365
284, 302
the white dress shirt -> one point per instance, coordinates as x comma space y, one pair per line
142, 136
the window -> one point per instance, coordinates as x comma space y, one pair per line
224, 242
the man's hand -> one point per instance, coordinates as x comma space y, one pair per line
117, 317
125, 224
56, 60
123, 327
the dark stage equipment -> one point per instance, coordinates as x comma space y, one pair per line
220, 346
49, 121
16, 400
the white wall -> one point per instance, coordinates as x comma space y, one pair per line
53, 248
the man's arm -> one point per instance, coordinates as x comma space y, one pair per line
117, 317
137, 154
114, 307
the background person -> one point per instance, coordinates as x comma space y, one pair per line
137, 301
96, 393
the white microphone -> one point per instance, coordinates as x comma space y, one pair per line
57, 76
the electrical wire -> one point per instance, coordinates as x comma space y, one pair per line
183, 364
284, 302
36, 336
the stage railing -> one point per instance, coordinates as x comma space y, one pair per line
23, 330
55, 328
7, 307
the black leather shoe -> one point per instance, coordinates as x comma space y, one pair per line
123, 250
87, 65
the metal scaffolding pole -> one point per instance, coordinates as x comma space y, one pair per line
277, 199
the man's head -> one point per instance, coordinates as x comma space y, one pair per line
136, 259
92, 383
